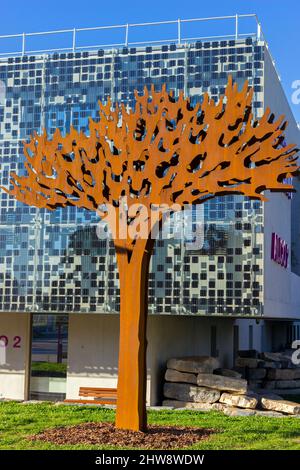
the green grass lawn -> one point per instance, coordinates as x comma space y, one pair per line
18, 421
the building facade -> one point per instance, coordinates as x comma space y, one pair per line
216, 298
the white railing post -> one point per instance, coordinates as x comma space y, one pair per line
74, 40
179, 30
236, 26
23, 43
258, 31
126, 34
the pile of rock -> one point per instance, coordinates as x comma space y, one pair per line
199, 383
270, 371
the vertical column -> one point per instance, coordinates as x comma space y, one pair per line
23, 43
258, 31
74, 40
28, 356
185, 87
38, 218
112, 92
179, 31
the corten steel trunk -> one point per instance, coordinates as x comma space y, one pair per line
132, 370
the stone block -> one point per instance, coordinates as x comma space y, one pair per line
257, 374
241, 401
285, 384
220, 382
284, 374
160, 407
279, 358
282, 406
194, 364
219, 407
232, 411
228, 373
269, 414
247, 362
190, 393
269, 384
173, 375
269, 365
269, 356
289, 391
187, 405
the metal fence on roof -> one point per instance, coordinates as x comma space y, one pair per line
131, 35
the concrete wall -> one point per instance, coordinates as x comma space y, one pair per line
268, 335
244, 334
93, 348
281, 286
14, 358
92, 352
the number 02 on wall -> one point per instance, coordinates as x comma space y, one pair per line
15, 341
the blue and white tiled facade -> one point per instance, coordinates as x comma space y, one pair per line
53, 262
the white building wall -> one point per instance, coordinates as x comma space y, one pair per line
281, 286
244, 333
14, 358
92, 352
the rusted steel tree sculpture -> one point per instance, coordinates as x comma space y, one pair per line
163, 152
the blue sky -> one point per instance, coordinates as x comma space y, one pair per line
280, 21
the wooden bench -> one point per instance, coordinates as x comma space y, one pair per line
101, 396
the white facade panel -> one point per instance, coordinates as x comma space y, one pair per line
281, 286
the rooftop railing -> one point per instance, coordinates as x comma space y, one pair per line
180, 31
